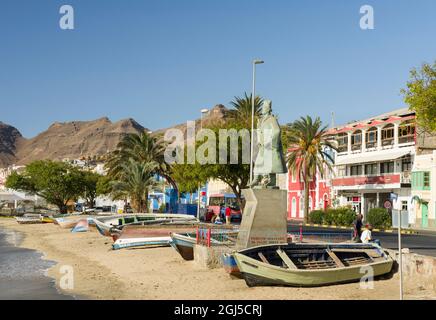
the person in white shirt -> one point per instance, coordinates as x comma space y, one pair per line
366, 236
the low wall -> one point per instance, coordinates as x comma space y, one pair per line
209, 257
417, 269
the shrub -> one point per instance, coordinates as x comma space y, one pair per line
379, 218
316, 216
342, 216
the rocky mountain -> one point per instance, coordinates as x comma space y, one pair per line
10, 139
62, 140
79, 139
218, 114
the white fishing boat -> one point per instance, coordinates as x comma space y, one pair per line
141, 242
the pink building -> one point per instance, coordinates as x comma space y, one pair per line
319, 195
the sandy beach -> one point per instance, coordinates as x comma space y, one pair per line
160, 273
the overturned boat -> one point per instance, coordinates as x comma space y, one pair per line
308, 265
32, 218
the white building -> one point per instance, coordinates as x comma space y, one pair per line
374, 160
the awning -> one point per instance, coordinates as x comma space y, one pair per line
375, 156
7, 196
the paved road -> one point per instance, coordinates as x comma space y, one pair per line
424, 244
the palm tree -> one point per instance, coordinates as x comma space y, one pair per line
135, 180
142, 148
242, 108
308, 152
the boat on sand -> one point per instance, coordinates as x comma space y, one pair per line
184, 243
308, 265
105, 224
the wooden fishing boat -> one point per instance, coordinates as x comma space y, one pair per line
307, 265
184, 243
105, 224
230, 265
141, 242
68, 222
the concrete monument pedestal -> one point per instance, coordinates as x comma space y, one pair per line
264, 218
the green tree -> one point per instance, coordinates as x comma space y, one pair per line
56, 182
90, 182
308, 152
142, 148
242, 108
135, 181
420, 95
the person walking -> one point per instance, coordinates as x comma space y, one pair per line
228, 215
357, 223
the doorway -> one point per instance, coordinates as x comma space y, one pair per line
424, 214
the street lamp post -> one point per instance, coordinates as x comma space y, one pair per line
253, 98
203, 111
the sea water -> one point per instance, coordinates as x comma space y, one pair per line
23, 272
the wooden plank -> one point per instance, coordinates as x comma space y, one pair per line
335, 258
370, 252
262, 257
286, 259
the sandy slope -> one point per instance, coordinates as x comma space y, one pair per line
160, 273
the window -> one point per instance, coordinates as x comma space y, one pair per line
386, 167
388, 135
406, 164
421, 180
342, 171
356, 140
355, 170
371, 168
310, 203
406, 132
342, 142
371, 138
294, 206
426, 184
404, 206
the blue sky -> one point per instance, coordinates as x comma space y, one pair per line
161, 61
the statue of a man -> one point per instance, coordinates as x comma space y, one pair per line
269, 160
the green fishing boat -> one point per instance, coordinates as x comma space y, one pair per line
309, 265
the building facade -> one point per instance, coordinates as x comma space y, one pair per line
424, 190
373, 168
374, 162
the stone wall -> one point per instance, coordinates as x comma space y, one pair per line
418, 270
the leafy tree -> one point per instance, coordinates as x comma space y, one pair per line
104, 185
90, 182
308, 144
56, 182
420, 95
235, 175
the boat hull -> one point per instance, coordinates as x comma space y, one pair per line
230, 265
141, 242
184, 245
257, 273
